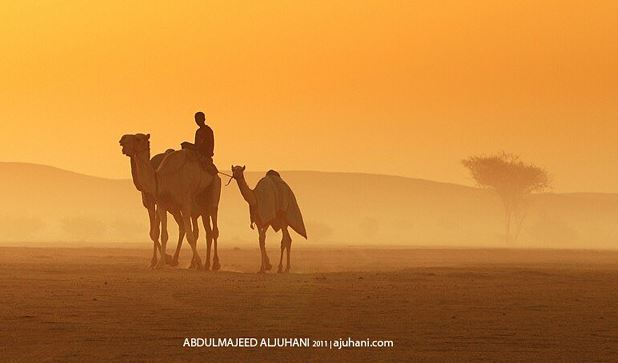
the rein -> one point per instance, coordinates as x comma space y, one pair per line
228, 175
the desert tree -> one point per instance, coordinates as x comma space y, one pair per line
513, 181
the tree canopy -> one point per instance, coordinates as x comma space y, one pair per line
507, 174
512, 179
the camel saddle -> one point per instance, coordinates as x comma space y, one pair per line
205, 162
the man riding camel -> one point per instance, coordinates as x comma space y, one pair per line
204, 142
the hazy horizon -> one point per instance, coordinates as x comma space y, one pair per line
470, 184
50, 206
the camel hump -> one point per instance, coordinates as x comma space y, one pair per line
273, 173
157, 159
275, 199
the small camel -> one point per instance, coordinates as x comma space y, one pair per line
271, 204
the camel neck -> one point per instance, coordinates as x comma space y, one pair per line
245, 191
143, 173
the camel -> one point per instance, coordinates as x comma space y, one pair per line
271, 204
146, 179
137, 147
183, 185
200, 210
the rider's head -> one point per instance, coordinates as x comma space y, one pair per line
200, 118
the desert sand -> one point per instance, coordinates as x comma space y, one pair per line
437, 305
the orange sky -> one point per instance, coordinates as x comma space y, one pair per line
396, 87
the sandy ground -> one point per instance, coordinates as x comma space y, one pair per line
104, 305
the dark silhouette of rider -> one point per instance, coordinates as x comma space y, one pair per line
204, 141
204, 137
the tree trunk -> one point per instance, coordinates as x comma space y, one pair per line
508, 213
523, 212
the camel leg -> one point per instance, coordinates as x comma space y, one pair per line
288, 244
213, 211
186, 217
208, 231
155, 248
215, 236
196, 229
165, 237
283, 247
181, 236
162, 213
196, 233
154, 234
265, 262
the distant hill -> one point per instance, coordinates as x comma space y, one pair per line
45, 204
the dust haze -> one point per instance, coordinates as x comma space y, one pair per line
47, 206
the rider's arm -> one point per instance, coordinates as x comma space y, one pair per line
210, 141
198, 137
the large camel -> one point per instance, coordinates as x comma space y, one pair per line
184, 186
206, 206
137, 148
271, 204
144, 172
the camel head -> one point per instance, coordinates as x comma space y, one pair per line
237, 171
134, 143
